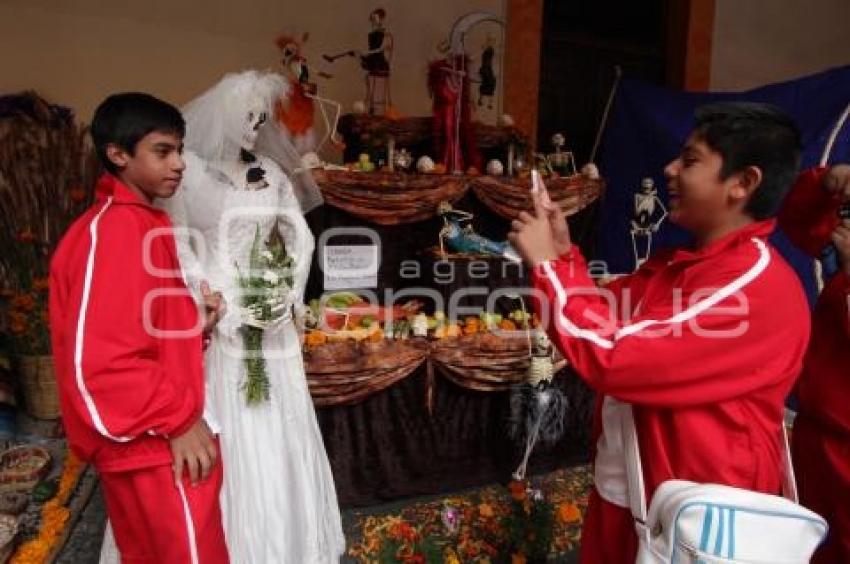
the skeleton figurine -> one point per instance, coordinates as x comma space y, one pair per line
295, 111
646, 220
462, 238
537, 407
561, 161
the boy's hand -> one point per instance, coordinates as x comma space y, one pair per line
196, 450
533, 235
837, 182
214, 306
558, 222
841, 240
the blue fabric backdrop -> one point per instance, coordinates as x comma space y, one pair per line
648, 125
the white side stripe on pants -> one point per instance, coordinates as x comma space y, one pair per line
190, 526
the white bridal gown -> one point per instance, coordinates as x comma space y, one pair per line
278, 500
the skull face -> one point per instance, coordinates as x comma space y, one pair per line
542, 344
289, 51
244, 131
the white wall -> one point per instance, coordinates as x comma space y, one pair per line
758, 42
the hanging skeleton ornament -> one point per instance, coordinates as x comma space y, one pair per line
649, 213
537, 407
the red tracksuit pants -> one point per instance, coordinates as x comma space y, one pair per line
608, 535
822, 466
158, 522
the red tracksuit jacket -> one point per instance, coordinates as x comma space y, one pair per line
125, 333
809, 216
713, 343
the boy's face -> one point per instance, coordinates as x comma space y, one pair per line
156, 167
699, 199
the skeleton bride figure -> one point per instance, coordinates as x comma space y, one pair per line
278, 499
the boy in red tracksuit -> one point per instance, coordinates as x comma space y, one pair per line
821, 437
127, 345
704, 341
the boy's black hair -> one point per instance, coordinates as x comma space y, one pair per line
751, 134
124, 119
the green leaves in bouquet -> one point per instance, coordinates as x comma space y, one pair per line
268, 278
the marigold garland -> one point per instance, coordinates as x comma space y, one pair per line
496, 525
54, 517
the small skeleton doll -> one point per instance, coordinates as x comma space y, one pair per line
537, 407
561, 161
648, 215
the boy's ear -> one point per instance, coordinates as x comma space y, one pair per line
116, 155
748, 180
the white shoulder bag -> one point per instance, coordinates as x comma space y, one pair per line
690, 523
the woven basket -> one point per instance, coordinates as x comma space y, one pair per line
415, 131
38, 379
483, 362
347, 373
8, 531
389, 198
13, 503
509, 196
22, 467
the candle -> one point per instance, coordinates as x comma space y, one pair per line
391, 154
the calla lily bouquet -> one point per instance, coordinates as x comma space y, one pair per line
266, 300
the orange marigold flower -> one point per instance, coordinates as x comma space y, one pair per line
395, 531
77, 194
517, 489
518, 558
40, 284
17, 317
408, 533
567, 513
18, 328
26, 236
485, 510
24, 302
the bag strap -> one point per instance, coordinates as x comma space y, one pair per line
824, 159
634, 470
634, 467
827, 150
789, 479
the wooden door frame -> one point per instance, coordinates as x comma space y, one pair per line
689, 45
